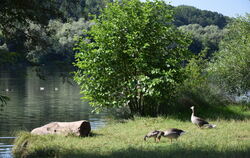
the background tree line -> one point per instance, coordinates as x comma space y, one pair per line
41, 38
32, 30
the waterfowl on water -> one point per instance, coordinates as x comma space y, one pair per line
8, 90
199, 121
156, 134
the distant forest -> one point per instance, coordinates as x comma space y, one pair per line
37, 32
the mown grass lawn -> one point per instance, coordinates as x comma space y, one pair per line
231, 139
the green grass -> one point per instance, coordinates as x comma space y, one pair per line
231, 139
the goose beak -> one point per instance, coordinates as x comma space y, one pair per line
184, 132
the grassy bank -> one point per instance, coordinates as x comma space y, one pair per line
230, 139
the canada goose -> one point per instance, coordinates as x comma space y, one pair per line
173, 133
156, 134
199, 121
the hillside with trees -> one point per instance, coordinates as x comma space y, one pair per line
185, 15
204, 38
40, 38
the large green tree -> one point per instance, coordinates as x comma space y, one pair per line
231, 64
133, 57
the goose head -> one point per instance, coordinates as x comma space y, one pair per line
192, 107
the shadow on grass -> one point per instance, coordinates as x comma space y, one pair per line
157, 153
93, 134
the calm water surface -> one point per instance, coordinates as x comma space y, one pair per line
35, 102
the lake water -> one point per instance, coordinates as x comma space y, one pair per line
35, 102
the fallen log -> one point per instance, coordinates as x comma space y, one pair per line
79, 128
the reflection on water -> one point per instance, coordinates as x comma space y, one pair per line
35, 102
5, 147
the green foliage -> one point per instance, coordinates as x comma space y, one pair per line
81, 8
231, 64
195, 74
197, 89
185, 15
18, 14
204, 38
55, 42
8, 58
29, 23
3, 100
132, 58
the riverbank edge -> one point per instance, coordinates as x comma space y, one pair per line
125, 139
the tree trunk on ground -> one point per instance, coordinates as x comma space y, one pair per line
78, 128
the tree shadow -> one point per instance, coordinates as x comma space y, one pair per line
93, 134
161, 152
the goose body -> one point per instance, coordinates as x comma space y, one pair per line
199, 121
156, 134
173, 133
